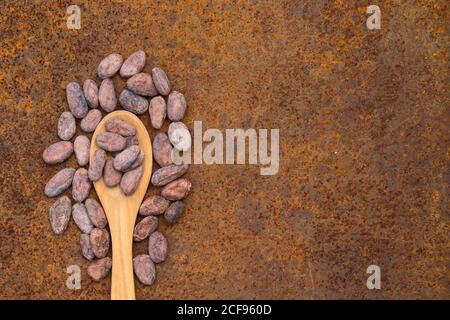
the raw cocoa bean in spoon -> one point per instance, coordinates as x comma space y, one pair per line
121, 210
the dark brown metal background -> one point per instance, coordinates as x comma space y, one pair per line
364, 144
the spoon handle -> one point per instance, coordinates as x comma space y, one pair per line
122, 282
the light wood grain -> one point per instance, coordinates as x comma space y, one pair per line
122, 210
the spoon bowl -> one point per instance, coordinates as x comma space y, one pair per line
121, 210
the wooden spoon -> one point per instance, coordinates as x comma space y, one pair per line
122, 210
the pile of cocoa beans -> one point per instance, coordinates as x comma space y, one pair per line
126, 166
145, 92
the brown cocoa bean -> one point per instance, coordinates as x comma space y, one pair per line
58, 152
96, 213
138, 161
81, 185
111, 142
142, 84
66, 126
164, 175
176, 190
162, 149
99, 239
107, 95
157, 247
109, 65
97, 164
59, 182
81, 146
110, 175
133, 64
86, 248
144, 228
126, 158
144, 268
91, 121
131, 141
130, 180
174, 212
176, 106
60, 214
76, 100
132, 102
81, 218
179, 136
119, 126
161, 81
154, 205
90, 91
99, 269
157, 111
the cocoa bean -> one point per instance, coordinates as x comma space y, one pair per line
176, 190
90, 91
76, 100
176, 106
174, 212
142, 84
96, 213
109, 65
164, 175
111, 142
130, 180
144, 268
66, 126
137, 162
126, 158
154, 205
161, 81
110, 175
132, 102
134, 64
157, 247
144, 228
99, 269
157, 111
97, 164
162, 149
81, 146
99, 239
59, 182
91, 121
179, 136
81, 185
81, 218
119, 126
131, 141
86, 248
107, 95
58, 152
60, 214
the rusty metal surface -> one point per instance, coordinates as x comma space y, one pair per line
364, 144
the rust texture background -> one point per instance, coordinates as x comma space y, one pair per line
364, 144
